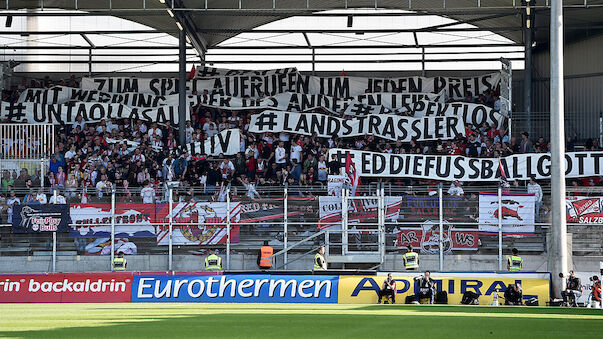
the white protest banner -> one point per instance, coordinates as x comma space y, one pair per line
65, 114
271, 84
456, 167
359, 211
226, 142
473, 114
204, 223
212, 72
132, 145
455, 87
516, 213
385, 126
335, 184
287, 101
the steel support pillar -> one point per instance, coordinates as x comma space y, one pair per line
558, 253
182, 107
527, 73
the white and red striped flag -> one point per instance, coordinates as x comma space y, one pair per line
352, 174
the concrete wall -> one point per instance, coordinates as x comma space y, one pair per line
158, 263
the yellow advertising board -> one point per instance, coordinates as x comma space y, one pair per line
356, 289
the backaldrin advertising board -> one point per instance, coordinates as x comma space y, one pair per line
66, 288
250, 288
364, 289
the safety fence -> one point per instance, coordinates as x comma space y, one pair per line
295, 221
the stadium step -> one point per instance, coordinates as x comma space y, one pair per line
354, 258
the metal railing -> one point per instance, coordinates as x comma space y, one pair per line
293, 224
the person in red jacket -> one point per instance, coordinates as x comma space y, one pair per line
595, 292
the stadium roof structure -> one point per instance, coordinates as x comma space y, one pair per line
207, 23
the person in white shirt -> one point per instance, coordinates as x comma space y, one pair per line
211, 130
138, 156
280, 155
534, 187
155, 133
41, 197
59, 200
12, 200
142, 127
71, 153
296, 152
227, 168
252, 150
147, 193
102, 185
456, 189
79, 121
189, 132
208, 124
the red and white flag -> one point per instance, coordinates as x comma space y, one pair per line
192, 73
352, 174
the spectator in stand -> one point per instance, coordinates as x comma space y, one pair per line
147, 193
41, 197
296, 151
30, 197
334, 165
322, 170
296, 171
534, 187
526, 144
59, 198
456, 189
227, 169
10, 202
181, 166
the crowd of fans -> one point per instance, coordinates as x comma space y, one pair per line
138, 158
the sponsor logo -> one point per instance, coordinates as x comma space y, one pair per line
66, 287
364, 289
235, 288
509, 211
38, 220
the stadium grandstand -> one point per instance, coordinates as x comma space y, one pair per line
157, 147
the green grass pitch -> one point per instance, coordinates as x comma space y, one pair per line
294, 321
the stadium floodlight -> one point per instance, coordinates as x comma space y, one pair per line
162, 1
170, 13
179, 25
